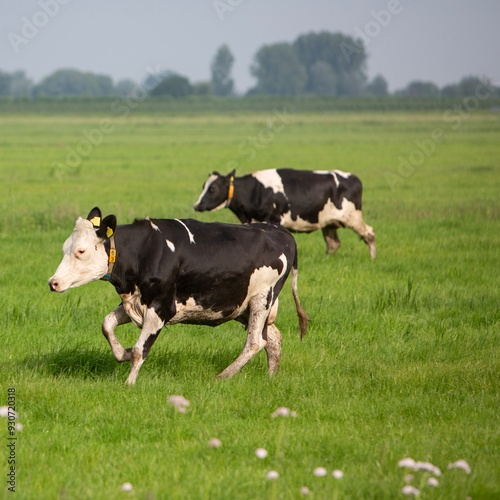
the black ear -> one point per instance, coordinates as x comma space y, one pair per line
95, 217
214, 173
232, 174
107, 227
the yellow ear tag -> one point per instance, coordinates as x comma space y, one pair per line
109, 232
96, 221
112, 255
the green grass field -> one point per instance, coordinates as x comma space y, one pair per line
401, 358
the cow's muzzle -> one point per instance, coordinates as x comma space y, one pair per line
54, 285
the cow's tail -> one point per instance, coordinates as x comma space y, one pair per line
303, 319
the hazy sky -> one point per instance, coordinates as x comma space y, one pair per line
437, 40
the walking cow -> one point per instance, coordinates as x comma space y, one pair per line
299, 200
184, 271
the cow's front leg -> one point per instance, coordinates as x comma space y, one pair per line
150, 330
111, 321
354, 220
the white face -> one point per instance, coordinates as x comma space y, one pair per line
206, 186
214, 196
84, 260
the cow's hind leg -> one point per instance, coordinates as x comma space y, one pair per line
273, 348
255, 340
111, 321
150, 330
273, 337
331, 239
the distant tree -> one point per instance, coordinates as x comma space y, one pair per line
322, 79
104, 84
345, 56
175, 86
5, 83
222, 83
278, 71
202, 88
450, 90
74, 82
469, 85
125, 87
153, 79
21, 85
378, 86
421, 89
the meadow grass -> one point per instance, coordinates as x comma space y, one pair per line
401, 357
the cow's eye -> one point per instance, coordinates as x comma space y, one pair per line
211, 189
81, 251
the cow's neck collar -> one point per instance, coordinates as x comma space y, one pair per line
231, 191
111, 258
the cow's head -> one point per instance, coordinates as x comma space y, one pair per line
216, 192
85, 258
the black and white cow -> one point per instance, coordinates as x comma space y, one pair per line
184, 271
299, 200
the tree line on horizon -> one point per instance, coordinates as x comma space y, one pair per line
317, 64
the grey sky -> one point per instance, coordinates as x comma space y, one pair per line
437, 40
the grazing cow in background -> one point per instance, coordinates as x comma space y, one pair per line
184, 271
300, 200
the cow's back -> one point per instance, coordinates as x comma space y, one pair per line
315, 198
215, 262
225, 246
309, 190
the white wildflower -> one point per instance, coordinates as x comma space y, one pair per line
409, 478
305, 490
6, 412
19, 427
427, 467
180, 402
460, 464
282, 411
215, 443
410, 490
261, 453
272, 474
320, 472
408, 463
126, 487
432, 481
337, 474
